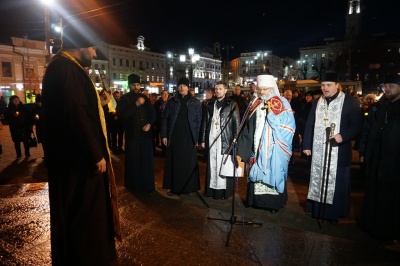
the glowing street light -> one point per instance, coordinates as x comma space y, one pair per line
47, 4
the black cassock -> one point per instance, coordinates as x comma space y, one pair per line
181, 172
80, 209
139, 162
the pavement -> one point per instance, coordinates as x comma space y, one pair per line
159, 229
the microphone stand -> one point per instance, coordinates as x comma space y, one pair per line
232, 149
325, 177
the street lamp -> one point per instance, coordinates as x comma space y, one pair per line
46, 4
248, 68
262, 55
193, 59
170, 70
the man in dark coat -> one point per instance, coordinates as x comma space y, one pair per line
221, 120
380, 151
20, 121
83, 212
137, 116
159, 106
180, 131
335, 116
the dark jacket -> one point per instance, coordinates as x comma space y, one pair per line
381, 135
350, 127
171, 111
19, 119
229, 122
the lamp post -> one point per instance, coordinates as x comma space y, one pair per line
46, 4
262, 55
193, 59
249, 62
170, 69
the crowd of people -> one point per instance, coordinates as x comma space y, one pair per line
80, 128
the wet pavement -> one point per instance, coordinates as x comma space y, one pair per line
188, 230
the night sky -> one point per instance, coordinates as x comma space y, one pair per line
282, 26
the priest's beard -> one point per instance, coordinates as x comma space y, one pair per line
86, 58
85, 62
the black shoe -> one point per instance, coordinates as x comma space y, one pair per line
273, 211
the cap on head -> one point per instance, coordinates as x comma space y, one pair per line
393, 78
132, 78
77, 35
330, 77
309, 93
183, 81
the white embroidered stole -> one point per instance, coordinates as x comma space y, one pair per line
325, 115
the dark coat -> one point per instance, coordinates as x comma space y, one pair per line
81, 220
20, 122
350, 127
128, 111
171, 111
383, 125
229, 118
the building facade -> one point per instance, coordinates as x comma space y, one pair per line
22, 68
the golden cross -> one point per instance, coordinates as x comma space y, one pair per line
326, 120
216, 124
268, 105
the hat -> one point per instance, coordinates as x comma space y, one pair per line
393, 78
330, 76
77, 36
183, 81
267, 81
309, 93
132, 78
13, 97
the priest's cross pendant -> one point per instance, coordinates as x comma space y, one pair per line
268, 106
326, 121
216, 124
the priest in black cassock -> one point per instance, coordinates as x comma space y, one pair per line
180, 130
335, 116
137, 115
82, 188
380, 149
